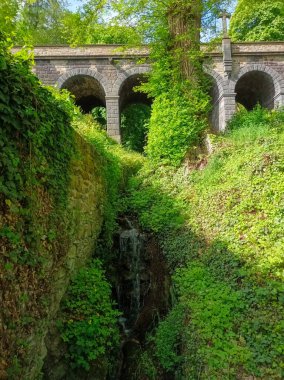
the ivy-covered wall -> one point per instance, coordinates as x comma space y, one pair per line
57, 191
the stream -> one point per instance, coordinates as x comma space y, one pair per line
140, 284
142, 290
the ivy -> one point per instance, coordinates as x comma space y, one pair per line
36, 142
89, 322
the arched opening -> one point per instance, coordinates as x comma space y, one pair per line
135, 109
255, 87
89, 95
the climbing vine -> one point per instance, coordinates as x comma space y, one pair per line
33, 153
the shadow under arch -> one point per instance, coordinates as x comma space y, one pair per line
135, 111
255, 87
263, 83
127, 93
87, 87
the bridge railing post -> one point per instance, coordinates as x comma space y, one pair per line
113, 117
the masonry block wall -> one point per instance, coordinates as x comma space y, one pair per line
257, 75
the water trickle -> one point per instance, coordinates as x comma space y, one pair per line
131, 244
141, 291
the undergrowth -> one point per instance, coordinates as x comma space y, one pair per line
118, 165
221, 227
38, 151
89, 320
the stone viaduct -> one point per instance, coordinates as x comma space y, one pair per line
105, 75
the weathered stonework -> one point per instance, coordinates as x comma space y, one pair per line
246, 72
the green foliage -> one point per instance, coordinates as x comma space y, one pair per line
168, 339
175, 125
99, 115
89, 323
134, 124
118, 165
98, 33
146, 366
157, 210
176, 81
36, 142
8, 13
226, 252
51, 22
258, 21
39, 22
210, 339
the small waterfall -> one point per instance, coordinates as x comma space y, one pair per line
141, 291
131, 244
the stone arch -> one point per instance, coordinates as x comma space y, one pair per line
218, 80
220, 95
83, 71
126, 97
257, 83
88, 87
136, 70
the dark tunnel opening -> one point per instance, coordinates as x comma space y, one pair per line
255, 87
129, 95
88, 92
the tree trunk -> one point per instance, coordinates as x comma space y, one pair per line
184, 19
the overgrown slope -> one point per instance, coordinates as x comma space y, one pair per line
222, 228
60, 182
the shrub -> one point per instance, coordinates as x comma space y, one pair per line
89, 325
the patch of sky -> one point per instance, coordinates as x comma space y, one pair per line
73, 5
212, 25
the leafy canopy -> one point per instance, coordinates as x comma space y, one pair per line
35, 22
258, 21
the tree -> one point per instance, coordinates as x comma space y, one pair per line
172, 29
40, 22
8, 13
260, 20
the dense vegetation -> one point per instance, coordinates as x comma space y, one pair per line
89, 321
38, 147
134, 126
221, 227
35, 22
258, 21
33, 153
218, 217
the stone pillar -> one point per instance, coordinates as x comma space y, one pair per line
113, 117
227, 108
227, 55
279, 100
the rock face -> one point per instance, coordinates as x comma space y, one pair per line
84, 217
34, 293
